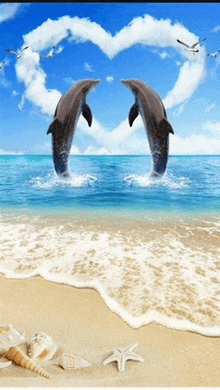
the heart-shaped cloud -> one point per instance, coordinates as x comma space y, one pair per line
145, 30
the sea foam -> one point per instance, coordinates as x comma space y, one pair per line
168, 181
52, 181
146, 271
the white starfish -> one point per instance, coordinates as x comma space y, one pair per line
121, 355
191, 48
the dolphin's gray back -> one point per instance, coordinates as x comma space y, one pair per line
66, 116
153, 113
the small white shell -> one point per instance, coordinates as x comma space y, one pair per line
5, 363
70, 362
41, 347
9, 337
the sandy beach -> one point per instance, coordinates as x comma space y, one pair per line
80, 322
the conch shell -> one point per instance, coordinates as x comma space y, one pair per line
9, 337
19, 357
70, 362
41, 347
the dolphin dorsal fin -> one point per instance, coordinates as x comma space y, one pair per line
87, 113
133, 114
166, 126
51, 127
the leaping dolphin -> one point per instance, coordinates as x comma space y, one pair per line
66, 116
154, 116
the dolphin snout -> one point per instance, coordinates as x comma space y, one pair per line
125, 82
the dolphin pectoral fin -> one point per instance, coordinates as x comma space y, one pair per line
133, 114
166, 126
87, 113
51, 127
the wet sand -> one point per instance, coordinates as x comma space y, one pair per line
81, 324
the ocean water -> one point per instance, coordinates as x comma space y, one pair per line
149, 247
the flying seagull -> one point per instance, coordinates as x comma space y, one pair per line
2, 64
191, 48
214, 55
51, 52
17, 53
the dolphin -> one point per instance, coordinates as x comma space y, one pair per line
154, 116
66, 116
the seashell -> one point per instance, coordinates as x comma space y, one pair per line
19, 357
4, 363
41, 347
70, 362
9, 337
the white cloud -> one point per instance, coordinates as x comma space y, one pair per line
214, 127
145, 30
59, 49
5, 153
15, 93
190, 76
74, 150
95, 151
8, 11
109, 79
215, 67
121, 140
28, 70
3, 81
69, 80
210, 107
163, 55
216, 29
179, 110
194, 145
88, 67
22, 103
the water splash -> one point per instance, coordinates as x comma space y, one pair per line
53, 181
168, 181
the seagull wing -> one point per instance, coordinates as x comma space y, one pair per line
12, 52
182, 43
194, 45
25, 47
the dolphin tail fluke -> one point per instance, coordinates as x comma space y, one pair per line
133, 114
166, 126
52, 126
87, 113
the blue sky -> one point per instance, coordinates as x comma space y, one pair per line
109, 42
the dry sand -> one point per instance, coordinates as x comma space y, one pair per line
81, 323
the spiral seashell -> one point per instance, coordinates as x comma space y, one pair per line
19, 357
70, 362
9, 337
41, 347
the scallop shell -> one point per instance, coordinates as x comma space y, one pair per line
9, 337
70, 362
19, 357
41, 347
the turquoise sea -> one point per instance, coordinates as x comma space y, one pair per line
149, 247
191, 184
